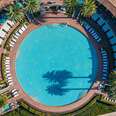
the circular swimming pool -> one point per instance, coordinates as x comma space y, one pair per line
56, 65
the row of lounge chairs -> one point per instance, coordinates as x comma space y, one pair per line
110, 100
7, 71
105, 64
104, 25
91, 31
106, 28
16, 35
5, 29
8, 75
14, 93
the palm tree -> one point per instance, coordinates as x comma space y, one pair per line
88, 8
32, 6
2, 100
15, 13
70, 6
112, 82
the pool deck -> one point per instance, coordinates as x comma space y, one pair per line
51, 18
22, 95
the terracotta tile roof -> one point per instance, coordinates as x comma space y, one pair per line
3, 3
109, 4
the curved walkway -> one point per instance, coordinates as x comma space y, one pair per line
5, 90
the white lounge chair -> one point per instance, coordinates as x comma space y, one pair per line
17, 34
20, 31
8, 74
7, 66
2, 34
23, 28
11, 42
6, 27
1, 40
11, 23
16, 95
8, 58
14, 40
13, 90
11, 83
11, 45
9, 77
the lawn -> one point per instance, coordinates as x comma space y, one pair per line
94, 108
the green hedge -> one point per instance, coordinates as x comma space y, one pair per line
3, 66
30, 109
106, 101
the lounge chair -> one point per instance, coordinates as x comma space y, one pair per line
101, 22
105, 27
6, 27
1, 40
11, 23
95, 17
113, 40
114, 55
17, 34
20, 31
11, 42
13, 90
7, 68
8, 74
15, 93
2, 34
11, 83
9, 77
11, 45
14, 40
110, 34
23, 28
114, 48
7, 58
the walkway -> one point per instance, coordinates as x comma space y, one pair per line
5, 89
4, 3
109, 114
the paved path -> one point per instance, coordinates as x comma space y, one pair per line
4, 3
5, 89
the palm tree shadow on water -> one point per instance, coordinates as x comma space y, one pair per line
59, 80
60, 77
56, 89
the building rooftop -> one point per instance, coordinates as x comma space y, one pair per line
109, 4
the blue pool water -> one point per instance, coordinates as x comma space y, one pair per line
56, 65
